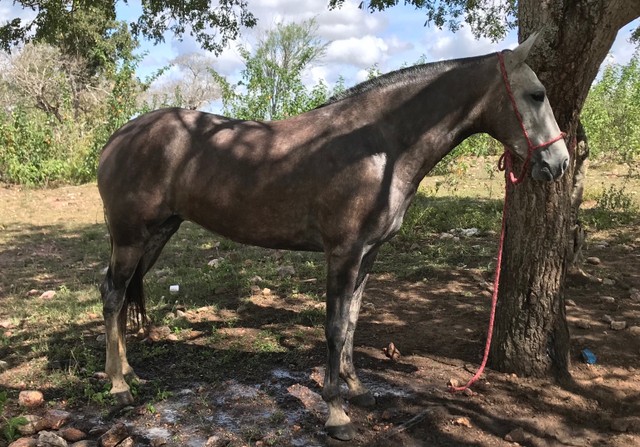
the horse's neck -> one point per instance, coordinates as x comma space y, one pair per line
432, 118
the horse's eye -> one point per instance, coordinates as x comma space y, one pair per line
538, 96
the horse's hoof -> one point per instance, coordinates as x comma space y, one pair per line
345, 432
364, 400
123, 398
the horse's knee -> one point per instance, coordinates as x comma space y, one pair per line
112, 303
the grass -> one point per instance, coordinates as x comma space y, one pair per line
56, 240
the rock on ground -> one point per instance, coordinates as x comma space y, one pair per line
30, 399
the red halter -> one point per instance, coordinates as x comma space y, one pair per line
506, 162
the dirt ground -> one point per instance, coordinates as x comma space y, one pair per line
269, 394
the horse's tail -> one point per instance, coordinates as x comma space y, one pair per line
134, 301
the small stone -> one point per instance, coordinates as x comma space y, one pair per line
463, 421
158, 442
129, 442
453, 383
517, 435
215, 263
72, 434
3, 366
97, 431
172, 337
635, 330
618, 325
159, 333
469, 232
49, 294
286, 270
30, 399
181, 314
608, 299
446, 236
102, 338
24, 442
50, 439
114, 435
606, 319
33, 292
31, 427
593, 260
620, 424
266, 291
85, 443
608, 282
570, 303
101, 375
256, 279
391, 352
54, 419
583, 324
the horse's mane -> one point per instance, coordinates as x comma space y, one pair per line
403, 76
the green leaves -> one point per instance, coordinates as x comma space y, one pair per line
486, 18
611, 115
212, 24
271, 87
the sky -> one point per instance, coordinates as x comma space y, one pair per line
357, 39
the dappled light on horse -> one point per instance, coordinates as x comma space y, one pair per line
337, 179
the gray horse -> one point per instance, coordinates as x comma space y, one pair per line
337, 179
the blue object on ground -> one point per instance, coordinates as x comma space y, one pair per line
588, 356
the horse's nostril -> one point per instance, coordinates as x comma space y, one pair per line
565, 164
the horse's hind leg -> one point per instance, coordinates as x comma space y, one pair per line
122, 268
118, 366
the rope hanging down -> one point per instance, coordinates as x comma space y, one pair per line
505, 163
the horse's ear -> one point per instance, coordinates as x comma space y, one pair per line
520, 53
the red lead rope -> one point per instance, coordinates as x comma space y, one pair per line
505, 163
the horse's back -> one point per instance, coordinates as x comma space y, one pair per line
230, 176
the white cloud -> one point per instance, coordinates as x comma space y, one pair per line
441, 45
362, 52
228, 62
361, 76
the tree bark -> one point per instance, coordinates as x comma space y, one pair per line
531, 336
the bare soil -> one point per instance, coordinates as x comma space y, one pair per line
269, 353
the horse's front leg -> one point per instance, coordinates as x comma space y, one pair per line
358, 393
341, 280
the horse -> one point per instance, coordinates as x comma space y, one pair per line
337, 179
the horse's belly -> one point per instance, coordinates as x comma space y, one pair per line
259, 224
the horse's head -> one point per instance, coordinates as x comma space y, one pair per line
527, 125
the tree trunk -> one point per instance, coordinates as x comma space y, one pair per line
531, 336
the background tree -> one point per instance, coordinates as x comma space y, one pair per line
194, 87
271, 86
212, 24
